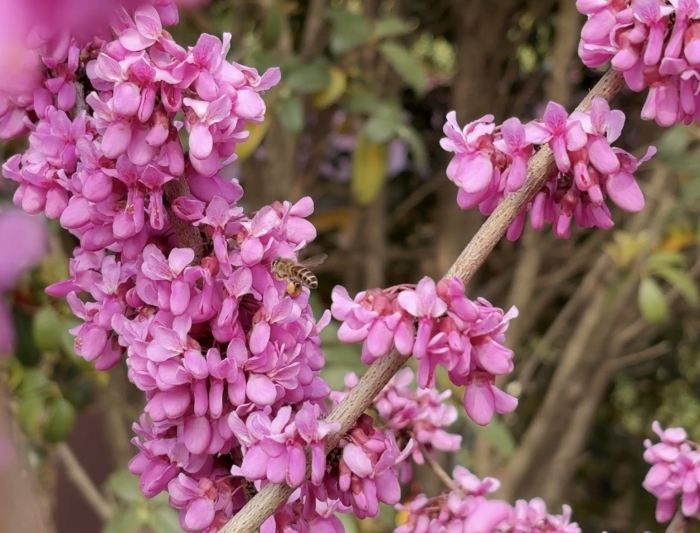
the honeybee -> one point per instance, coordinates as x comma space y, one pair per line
297, 275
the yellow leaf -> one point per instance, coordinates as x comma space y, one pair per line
678, 238
257, 131
369, 162
334, 90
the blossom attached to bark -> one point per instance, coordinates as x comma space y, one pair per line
438, 325
490, 162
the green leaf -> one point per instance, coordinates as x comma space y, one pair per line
384, 124
416, 144
369, 161
380, 129
30, 415
406, 65
664, 259
67, 338
682, 282
165, 520
349, 30
125, 486
391, 27
363, 103
60, 421
673, 143
33, 383
47, 329
124, 522
498, 435
290, 111
652, 303
309, 78
272, 26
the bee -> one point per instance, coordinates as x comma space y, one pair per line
297, 275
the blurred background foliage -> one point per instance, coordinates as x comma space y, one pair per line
608, 336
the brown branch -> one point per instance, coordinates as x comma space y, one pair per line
25, 503
680, 523
438, 470
313, 25
188, 236
83, 483
270, 498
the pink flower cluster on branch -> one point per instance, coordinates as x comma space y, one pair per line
655, 44
674, 474
466, 509
228, 360
420, 414
438, 325
491, 161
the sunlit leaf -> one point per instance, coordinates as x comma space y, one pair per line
349, 30
652, 303
290, 111
125, 486
625, 247
369, 162
309, 78
391, 27
60, 419
406, 65
334, 91
257, 133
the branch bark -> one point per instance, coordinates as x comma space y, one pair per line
83, 483
268, 500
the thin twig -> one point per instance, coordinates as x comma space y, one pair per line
83, 483
272, 496
641, 356
438, 470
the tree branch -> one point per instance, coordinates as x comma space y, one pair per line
270, 498
83, 483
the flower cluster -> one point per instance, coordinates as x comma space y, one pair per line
418, 414
491, 161
438, 325
675, 472
465, 508
171, 272
655, 44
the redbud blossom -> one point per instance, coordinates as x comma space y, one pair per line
490, 163
438, 325
655, 44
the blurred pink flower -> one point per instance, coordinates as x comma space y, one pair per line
23, 242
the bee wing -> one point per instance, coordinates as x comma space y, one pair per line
313, 261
